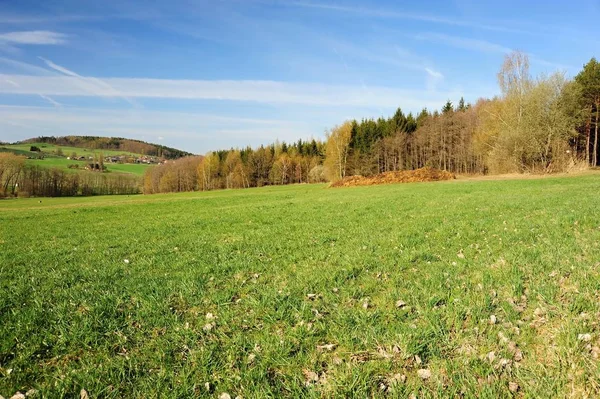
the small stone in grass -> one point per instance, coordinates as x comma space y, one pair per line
518, 355
539, 312
400, 303
513, 387
502, 337
18, 395
126, 261
584, 337
424, 374
210, 316
335, 289
31, 392
310, 377
83, 394
311, 296
397, 378
491, 356
460, 255
208, 326
224, 395
493, 319
251, 358
326, 347
365, 305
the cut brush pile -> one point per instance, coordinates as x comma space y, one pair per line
403, 176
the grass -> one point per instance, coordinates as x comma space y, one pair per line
15, 151
67, 151
52, 161
241, 291
63, 163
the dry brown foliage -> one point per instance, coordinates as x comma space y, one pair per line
402, 176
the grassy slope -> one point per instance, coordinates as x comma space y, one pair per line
67, 151
63, 163
73, 315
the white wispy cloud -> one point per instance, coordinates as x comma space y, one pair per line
433, 79
39, 37
20, 19
10, 82
94, 85
380, 53
483, 46
25, 67
47, 98
51, 100
434, 74
260, 91
395, 14
464, 43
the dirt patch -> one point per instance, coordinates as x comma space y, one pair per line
403, 176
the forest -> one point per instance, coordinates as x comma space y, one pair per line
17, 178
543, 124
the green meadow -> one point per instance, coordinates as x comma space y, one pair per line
64, 163
67, 151
51, 160
465, 288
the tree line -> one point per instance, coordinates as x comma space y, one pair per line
278, 163
17, 178
538, 124
112, 143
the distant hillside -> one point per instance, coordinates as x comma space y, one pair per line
112, 143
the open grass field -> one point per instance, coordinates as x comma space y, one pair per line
52, 148
63, 163
294, 292
52, 161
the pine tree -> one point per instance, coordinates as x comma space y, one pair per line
461, 105
448, 107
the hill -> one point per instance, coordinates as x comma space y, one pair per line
118, 144
76, 159
74, 153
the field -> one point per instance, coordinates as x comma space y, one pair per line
63, 163
67, 151
449, 289
50, 160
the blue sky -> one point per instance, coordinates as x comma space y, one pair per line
206, 75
